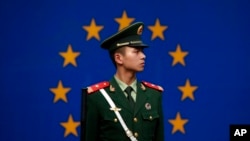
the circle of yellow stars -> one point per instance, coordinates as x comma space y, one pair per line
93, 29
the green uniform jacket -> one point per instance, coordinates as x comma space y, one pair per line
145, 121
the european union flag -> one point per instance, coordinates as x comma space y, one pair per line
51, 49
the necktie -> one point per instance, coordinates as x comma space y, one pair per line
128, 90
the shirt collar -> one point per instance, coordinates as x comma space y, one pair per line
123, 85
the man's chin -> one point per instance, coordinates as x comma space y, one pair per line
140, 70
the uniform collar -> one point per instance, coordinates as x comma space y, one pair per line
123, 85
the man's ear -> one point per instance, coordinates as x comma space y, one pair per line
118, 58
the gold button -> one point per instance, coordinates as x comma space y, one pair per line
135, 120
136, 134
150, 117
115, 120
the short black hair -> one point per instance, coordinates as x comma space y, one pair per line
112, 54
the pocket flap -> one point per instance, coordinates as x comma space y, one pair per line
150, 115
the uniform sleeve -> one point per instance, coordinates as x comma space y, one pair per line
91, 128
160, 127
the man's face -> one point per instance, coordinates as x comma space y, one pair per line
133, 59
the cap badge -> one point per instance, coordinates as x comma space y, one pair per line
148, 106
139, 30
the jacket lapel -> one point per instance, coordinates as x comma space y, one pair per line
118, 96
141, 97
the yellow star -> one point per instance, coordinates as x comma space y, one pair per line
157, 30
60, 92
70, 126
178, 56
187, 90
93, 30
69, 56
124, 21
178, 123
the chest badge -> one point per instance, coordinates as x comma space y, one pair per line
115, 109
148, 106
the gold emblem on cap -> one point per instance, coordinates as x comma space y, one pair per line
139, 31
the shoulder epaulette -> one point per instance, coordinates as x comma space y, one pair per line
153, 86
97, 87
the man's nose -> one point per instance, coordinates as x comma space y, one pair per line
143, 55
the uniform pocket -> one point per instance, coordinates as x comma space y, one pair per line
150, 120
109, 125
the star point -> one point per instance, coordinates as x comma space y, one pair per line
178, 55
178, 123
60, 92
124, 21
157, 30
69, 56
70, 126
93, 30
187, 90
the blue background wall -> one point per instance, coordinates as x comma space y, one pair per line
215, 34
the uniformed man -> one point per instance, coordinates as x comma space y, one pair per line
139, 103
